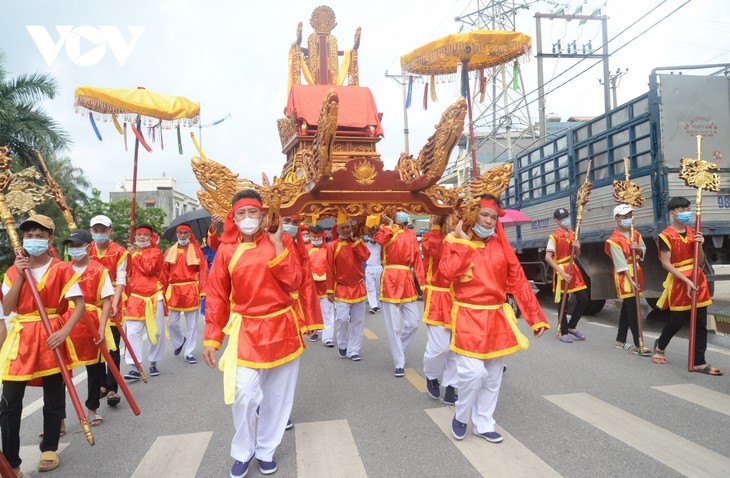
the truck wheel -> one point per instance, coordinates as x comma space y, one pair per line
595, 306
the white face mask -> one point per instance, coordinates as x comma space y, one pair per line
183, 242
565, 222
77, 253
142, 244
248, 225
317, 242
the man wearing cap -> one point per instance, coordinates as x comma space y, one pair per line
373, 272
98, 292
256, 374
398, 291
27, 354
145, 311
346, 287
557, 254
318, 264
619, 248
114, 257
184, 272
438, 360
481, 266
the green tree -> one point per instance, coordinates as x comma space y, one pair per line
73, 183
24, 125
120, 212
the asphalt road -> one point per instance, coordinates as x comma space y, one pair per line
574, 410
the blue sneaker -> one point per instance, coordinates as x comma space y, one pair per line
399, 372
177, 351
342, 352
458, 429
154, 371
239, 469
433, 387
267, 467
356, 358
191, 359
491, 437
132, 375
450, 396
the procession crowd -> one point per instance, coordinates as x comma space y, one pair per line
270, 289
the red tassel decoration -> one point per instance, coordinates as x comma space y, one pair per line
140, 138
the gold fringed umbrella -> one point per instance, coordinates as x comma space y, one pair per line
467, 51
136, 106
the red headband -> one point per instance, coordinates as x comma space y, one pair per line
304, 227
247, 202
492, 204
184, 227
144, 229
230, 229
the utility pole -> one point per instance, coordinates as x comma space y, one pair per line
402, 80
614, 80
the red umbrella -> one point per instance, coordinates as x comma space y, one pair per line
513, 217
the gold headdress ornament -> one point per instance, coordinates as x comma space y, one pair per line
493, 182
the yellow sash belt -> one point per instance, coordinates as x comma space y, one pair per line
669, 281
168, 293
435, 288
397, 266
11, 346
229, 360
509, 314
150, 306
108, 336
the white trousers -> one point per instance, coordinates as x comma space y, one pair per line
350, 320
272, 391
479, 383
328, 319
438, 360
401, 322
372, 282
191, 330
136, 329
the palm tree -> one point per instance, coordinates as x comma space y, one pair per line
24, 126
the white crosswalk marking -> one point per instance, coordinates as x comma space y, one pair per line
31, 454
507, 459
672, 450
174, 455
702, 396
327, 449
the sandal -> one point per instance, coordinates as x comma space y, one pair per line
658, 356
95, 420
49, 461
642, 353
113, 399
624, 346
103, 392
709, 370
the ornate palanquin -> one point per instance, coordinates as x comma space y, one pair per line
329, 137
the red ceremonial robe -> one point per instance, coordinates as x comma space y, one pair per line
400, 253
675, 291
436, 290
621, 242
563, 241
91, 283
345, 272
318, 264
143, 284
184, 272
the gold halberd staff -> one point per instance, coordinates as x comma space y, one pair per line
581, 199
696, 174
9, 223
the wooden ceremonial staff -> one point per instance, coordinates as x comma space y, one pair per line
6, 471
581, 199
632, 196
60, 199
8, 222
696, 174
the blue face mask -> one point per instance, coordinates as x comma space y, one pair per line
77, 253
100, 237
684, 217
290, 229
626, 223
482, 232
565, 222
401, 217
183, 242
35, 247
317, 242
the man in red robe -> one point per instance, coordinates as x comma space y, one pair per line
557, 254
115, 258
482, 267
145, 311
27, 353
184, 272
676, 253
318, 264
261, 362
438, 359
400, 253
98, 292
346, 288
619, 249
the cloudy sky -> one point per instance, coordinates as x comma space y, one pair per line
231, 57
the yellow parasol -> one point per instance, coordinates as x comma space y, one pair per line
135, 106
467, 51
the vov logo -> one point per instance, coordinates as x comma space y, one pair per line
96, 39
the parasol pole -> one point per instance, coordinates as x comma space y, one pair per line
474, 171
581, 199
9, 223
134, 183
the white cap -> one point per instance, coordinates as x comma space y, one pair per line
621, 210
101, 219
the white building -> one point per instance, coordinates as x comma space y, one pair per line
157, 192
